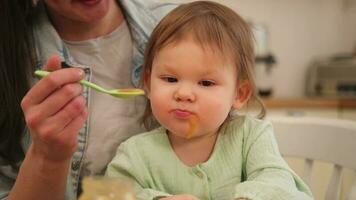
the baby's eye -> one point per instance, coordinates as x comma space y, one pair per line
170, 79
206, 83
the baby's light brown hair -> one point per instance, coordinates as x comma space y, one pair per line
213, 26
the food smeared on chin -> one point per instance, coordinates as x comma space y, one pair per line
193, 120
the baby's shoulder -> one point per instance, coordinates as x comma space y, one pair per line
248, 126
147, 142
248, 122
147, 148
152, 136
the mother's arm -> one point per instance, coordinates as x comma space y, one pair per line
54, 112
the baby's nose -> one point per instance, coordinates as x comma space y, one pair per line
184, 92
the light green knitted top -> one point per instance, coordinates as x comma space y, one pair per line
245, 163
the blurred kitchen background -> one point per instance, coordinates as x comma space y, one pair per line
299, 32
305, 64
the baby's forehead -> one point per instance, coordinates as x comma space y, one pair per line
221, 50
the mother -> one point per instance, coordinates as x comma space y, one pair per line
44, 153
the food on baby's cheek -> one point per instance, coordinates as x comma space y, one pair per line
106, 188
192, 126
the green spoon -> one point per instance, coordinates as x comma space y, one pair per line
120, 93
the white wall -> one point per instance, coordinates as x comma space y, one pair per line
300, 30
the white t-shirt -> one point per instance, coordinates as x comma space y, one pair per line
111, 120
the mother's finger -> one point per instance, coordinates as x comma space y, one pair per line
49, 84
53, 63
50, 127
62, 145
73, 128
67, 139
57, 100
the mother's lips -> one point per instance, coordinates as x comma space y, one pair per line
89, 2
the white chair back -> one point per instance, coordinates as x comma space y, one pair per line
329, 140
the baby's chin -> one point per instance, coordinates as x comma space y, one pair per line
180, 134
183, 136
189, 129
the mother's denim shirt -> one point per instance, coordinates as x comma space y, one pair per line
141, 16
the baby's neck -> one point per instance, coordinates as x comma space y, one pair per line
195, 150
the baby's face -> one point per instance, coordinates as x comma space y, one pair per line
191, 89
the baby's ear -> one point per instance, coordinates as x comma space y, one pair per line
243, 94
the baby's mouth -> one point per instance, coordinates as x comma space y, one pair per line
188, 116
183, 114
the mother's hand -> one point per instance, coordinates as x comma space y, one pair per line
55, 111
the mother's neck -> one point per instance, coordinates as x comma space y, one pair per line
78, 31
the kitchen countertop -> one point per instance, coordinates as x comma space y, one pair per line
309, 102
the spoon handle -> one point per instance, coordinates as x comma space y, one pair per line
43, 73
92, 85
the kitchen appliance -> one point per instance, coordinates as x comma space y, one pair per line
264, 60
332, 77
